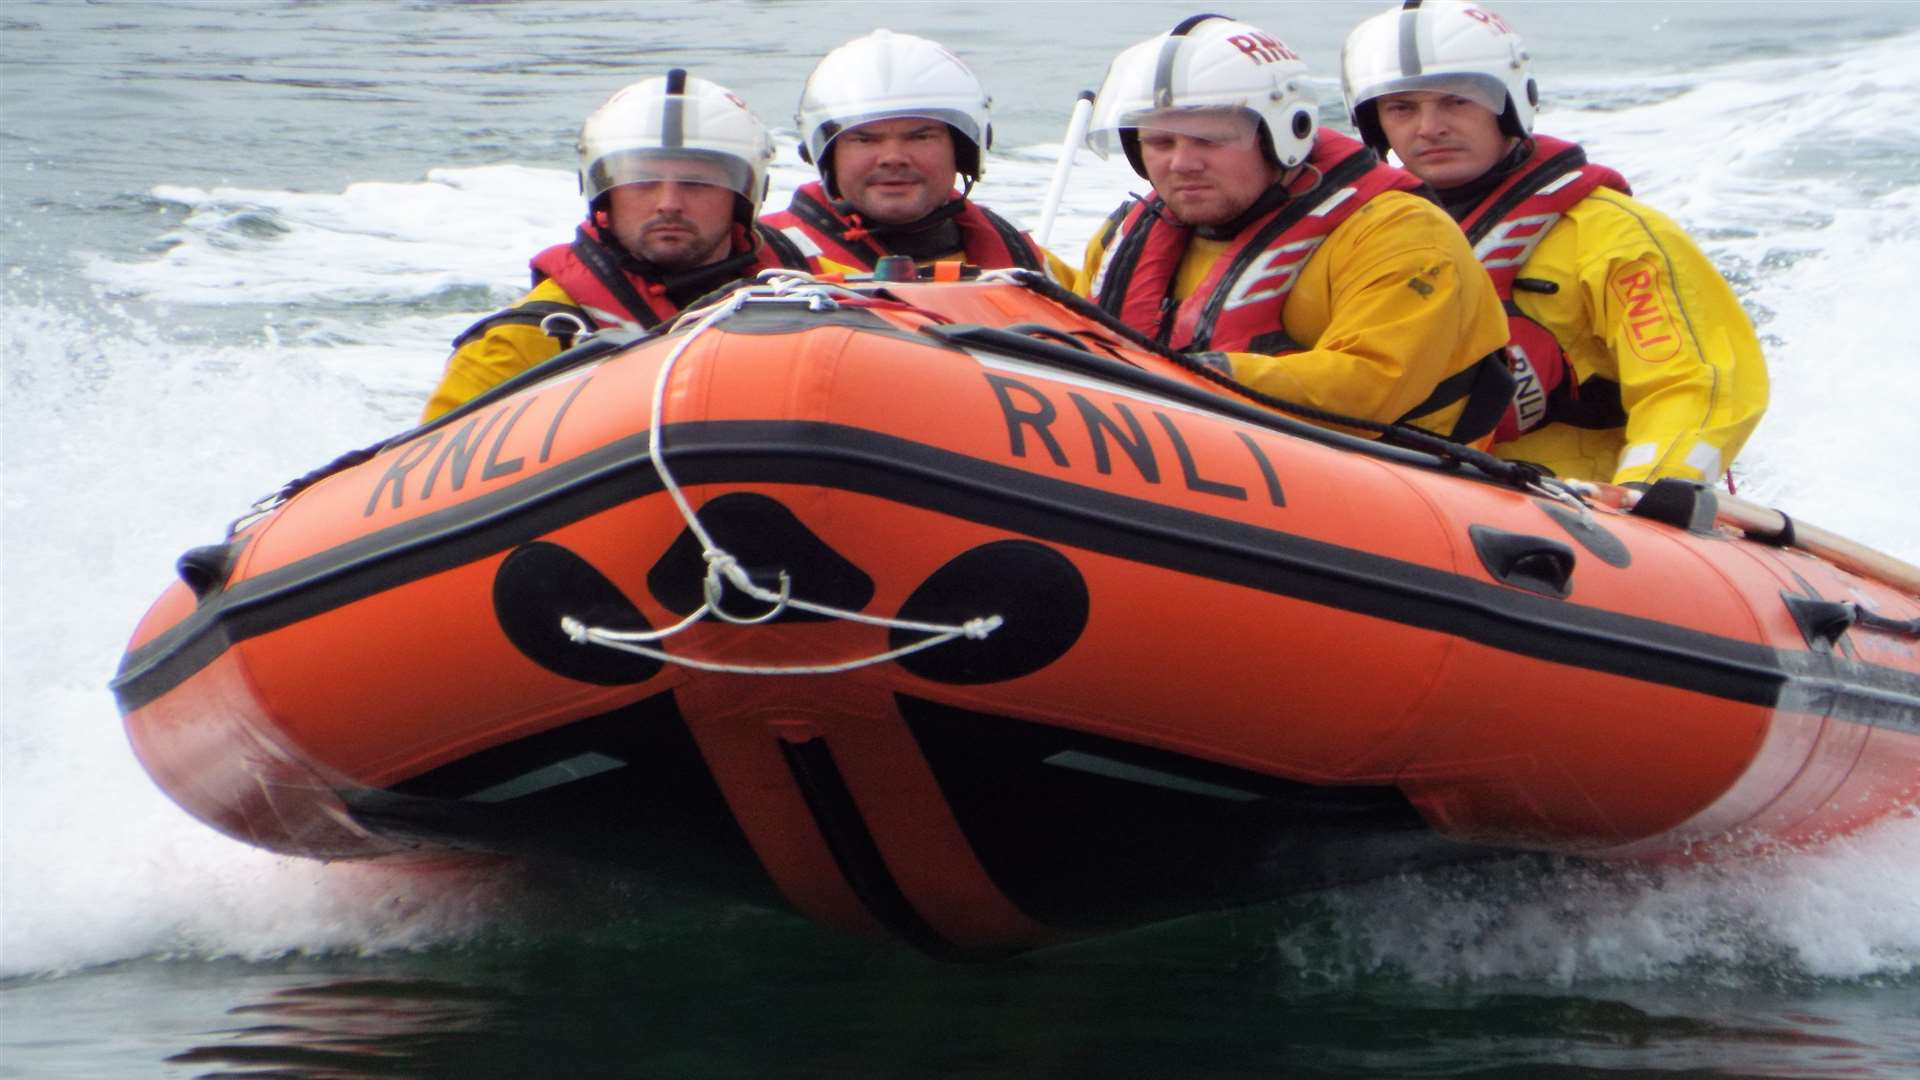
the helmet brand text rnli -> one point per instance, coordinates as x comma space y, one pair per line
1263, 49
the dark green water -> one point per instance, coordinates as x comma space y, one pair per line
760, 994
584, 977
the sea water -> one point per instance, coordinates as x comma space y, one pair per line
236, 240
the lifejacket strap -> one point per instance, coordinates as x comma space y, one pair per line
531, 313
1487, 386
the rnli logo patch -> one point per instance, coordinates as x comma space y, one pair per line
1495, 22
1649, 330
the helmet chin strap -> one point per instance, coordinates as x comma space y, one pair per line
1510, 122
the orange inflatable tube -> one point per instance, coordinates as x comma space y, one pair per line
984, 626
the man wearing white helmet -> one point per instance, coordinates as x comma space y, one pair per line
673, 169
1633, 358
890, 120
1282, 253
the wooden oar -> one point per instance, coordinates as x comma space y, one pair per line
1762, 523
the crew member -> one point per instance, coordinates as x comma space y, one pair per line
891, 121
1633, 358
673, 169
1284, 254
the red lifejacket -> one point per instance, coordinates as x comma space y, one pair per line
1504, 229
1237, 307
609, 293
813, 220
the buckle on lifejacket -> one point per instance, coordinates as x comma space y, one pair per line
566, 338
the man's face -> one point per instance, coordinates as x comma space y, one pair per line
895, 171
1208, 167
680, 221
1442, 138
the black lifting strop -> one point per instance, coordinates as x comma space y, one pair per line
1875, 621
1822, 622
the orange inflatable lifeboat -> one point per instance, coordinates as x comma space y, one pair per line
951, 611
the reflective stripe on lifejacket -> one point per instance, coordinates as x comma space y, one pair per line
1230, 310
986, 239
1504, 230
609, 294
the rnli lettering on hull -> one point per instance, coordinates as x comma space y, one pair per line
1037, 423
450, 451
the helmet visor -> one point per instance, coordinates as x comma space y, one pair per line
1484, 90
684, 166
1224, 126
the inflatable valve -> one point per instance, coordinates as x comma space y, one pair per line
895, 268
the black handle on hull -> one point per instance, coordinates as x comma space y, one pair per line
1534, 563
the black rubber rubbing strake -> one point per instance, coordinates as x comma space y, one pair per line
1022, 502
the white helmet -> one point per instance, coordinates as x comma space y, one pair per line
1207, 62
884, 76
1441, 45
656, 127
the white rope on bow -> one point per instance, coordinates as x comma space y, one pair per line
974, 629
723, 569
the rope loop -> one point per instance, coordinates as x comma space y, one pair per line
722, 567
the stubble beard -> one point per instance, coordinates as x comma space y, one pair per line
679, 250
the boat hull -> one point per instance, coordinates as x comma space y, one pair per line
1233, 662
